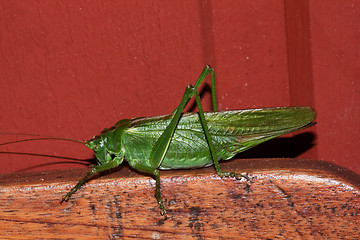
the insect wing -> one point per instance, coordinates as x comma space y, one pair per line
249, 128
231, 132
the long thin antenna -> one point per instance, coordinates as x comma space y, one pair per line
38, 137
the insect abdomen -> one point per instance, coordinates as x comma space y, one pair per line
231, 132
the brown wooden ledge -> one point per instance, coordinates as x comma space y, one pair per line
284, 198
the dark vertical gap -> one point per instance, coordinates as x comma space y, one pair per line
301, 87
207, 42
297, 23
207, 33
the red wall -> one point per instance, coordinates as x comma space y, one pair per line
71, 68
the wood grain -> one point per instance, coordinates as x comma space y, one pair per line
284, 198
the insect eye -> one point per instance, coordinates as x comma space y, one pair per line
96, 148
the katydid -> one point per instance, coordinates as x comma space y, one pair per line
189, 140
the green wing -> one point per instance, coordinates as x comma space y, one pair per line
231, 132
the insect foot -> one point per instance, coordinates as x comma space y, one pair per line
162, 209
163, 212
66, 197
237, 176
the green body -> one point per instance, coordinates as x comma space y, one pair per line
231, 132
190, 140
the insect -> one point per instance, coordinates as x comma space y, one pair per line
188, 140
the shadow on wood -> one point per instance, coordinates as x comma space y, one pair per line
284, 198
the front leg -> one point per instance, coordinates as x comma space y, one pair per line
99, 168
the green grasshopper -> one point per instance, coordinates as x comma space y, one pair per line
189, 140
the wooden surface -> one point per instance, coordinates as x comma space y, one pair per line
284, 199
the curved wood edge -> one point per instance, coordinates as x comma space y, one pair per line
282, 198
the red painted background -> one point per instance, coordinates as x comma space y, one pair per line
72, 68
